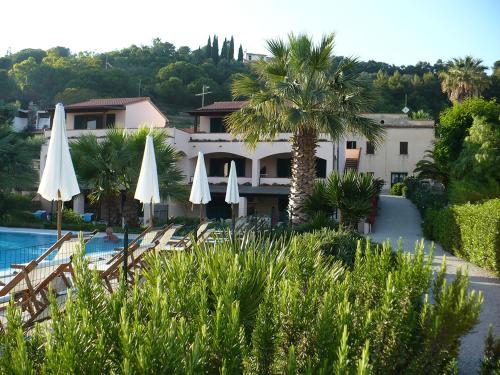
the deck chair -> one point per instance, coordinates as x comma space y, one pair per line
187, 242
110, 271
21, 287
147, 237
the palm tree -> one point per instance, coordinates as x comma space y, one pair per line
301, 90
430, 168
464, 78
351, 193
109, 167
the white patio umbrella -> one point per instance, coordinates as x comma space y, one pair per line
148, 191
232, 194
200, 191
58, 181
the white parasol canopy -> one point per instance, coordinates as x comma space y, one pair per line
147, 190
232, 193
200, 191
58, 180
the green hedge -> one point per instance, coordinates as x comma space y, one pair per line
471, 231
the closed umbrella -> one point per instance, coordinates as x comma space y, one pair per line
200, 191
232, 194
58, 180
148, 191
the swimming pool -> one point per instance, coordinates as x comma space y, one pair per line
22, 247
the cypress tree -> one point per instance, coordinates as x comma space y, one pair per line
231, 49
240, 54
224, 51
209, 47
215, 50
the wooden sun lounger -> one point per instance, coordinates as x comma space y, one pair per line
110, 271
186, 243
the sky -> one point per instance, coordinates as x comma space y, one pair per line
400, 32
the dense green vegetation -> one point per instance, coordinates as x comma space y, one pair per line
471, 231
108, 170
171, 76
261, 306
351, 193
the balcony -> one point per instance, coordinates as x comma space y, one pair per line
269, 181
223, 180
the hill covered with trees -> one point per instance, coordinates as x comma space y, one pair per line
172, 76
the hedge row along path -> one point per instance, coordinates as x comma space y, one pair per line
398, 218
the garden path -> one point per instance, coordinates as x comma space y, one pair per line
399, 218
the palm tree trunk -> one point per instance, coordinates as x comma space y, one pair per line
303, 173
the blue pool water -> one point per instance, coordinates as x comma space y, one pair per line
22, 247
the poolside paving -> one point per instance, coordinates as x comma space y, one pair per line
398, 218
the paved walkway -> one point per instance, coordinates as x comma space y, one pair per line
397, 218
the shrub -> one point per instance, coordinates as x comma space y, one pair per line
471, 231
14, 202
397, 189
404, 191
491, 359
424, 196
71, 217
256, 306
317, 221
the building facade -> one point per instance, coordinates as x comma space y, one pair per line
264, 171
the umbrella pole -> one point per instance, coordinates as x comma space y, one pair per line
233, 221
151, 212
59, 215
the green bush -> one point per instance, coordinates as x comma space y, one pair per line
317, 221
14, 202
397, 189
423, 196
258, 306
471, 231
71, 217
491, 359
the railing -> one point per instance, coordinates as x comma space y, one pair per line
274, 181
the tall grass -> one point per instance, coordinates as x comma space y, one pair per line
258, 306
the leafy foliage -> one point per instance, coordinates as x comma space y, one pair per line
454, 124
107, 167
491, 360
17, 152
471, 231
464, 78
258, 306
351, 193
397, 189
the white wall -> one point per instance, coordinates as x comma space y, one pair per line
143, 113
387, 158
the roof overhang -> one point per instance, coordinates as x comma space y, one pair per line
253, 190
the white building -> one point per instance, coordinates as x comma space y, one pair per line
96, 116
263, 172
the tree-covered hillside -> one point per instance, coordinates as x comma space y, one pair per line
172, 76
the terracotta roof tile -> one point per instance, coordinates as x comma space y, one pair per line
220, 107
106, 102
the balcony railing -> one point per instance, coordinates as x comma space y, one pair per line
274, 181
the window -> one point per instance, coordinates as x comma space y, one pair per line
88, 122
398, 177
351, 145
370, 148
320, 168
217, 125
403, 148
219, 167
110, 120
284, 168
